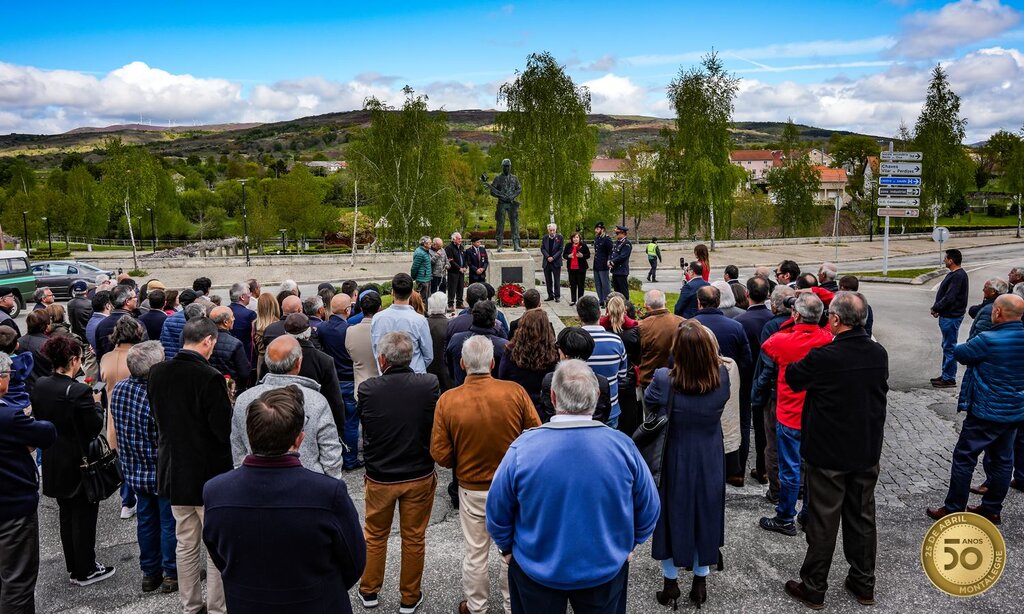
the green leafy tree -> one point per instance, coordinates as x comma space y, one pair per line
994, 156
638, 174
703, 99
753, 212
80, 189
402, 155
297, 202
1013, 177
793, 186
129, 183
947, 171
545, 134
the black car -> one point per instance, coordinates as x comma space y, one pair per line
58, 275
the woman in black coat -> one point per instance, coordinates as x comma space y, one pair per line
74, 409
691, 528
576, 254
437, 320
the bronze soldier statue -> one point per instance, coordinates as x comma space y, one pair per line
506, 189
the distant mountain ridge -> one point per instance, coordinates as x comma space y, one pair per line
325, 136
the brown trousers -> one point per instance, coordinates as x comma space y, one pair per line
415, 501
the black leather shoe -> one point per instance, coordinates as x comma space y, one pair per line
862, 598
151, 583
798, 591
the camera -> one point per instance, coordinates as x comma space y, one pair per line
789, 302
682, 263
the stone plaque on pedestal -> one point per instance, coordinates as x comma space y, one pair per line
511, 267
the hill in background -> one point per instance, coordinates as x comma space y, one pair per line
325, 136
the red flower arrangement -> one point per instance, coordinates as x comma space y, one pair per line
510, 295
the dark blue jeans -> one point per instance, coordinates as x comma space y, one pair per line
996, 440
950, 328
529, 596
350, 430
1018, 459
789, 471
127, 495
157, 541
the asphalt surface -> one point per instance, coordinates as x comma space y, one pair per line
920, 432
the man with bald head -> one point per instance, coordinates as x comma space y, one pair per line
228, 354
320, 450
333, 334
992, 394
291, 304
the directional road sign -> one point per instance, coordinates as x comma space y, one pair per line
899, 191
896, 212
902, 156
900, 168
899, 202
899, 181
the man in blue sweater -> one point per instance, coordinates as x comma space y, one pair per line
19, 500
536, 502
949, 307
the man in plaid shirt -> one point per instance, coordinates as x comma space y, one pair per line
137, 445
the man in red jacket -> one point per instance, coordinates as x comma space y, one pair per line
783, 349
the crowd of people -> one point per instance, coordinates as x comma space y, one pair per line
233, 423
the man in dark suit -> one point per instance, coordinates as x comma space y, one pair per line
477, 261
551, 250
189, 400
618, 263
457, 269
602, 251
262, 518
80, 309
125, 302
318, 367
153, 319
753, 320
239, 296
686, 304
842, 432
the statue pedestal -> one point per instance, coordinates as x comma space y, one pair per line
511, 267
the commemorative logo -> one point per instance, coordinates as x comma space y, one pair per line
963, 554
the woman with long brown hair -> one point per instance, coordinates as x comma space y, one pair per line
703, 256
693, 395
268, 311
530, 355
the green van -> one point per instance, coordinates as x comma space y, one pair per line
16, 273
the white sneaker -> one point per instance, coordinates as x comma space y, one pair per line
100, 574
128, 512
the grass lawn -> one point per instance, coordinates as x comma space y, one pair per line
898, 273
977, 219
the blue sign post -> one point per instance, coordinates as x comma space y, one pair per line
899, 181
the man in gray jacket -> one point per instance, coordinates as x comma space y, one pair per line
321, 447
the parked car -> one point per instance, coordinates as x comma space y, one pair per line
15, 273
58, 275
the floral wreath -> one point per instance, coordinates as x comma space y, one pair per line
510, 295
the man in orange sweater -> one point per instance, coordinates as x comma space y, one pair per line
474, 424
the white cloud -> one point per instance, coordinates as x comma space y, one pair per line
930, 34
807, 49
988, 81
616, 95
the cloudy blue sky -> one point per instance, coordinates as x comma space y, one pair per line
841, 65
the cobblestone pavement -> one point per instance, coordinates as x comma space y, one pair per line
920, 432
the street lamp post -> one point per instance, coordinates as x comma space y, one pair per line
284, 239
49, 237
152, 226
245, 225
24, 220
623, 203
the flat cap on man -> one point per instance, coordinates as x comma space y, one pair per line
296, 324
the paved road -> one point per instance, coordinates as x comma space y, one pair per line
920, 432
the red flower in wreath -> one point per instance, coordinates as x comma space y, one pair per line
510, 295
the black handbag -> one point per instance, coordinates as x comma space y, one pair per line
101, 469
651, 438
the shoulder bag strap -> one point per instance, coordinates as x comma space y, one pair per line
74, 426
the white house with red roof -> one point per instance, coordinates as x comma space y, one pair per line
607, 169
